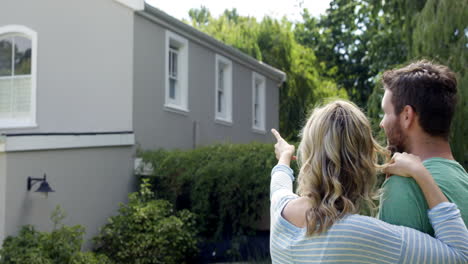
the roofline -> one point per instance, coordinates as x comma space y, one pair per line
159, 17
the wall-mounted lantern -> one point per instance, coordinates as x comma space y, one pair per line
43, 188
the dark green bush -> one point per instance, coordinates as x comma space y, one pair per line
60, 246
227, 185
148, 231
89, 258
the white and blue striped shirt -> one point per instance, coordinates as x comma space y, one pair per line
362, 239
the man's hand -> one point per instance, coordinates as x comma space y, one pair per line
283, 150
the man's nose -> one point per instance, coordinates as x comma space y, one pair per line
381, 124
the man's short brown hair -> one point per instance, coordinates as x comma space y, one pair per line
430, 89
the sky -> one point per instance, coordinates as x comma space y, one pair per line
258, 8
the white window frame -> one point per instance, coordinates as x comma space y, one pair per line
260, 125
180, 103
30, 121
226, 115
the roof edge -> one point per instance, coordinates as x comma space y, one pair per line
160, 17
136, 5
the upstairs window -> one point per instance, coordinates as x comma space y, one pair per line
17, 77
223, 91
258, 102
176, 72
173, 81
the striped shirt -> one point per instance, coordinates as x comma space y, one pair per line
362, 239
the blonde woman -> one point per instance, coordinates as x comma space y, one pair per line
338, 162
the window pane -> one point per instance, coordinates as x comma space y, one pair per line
257, 98
22, 96
172, 88
220, 101
22, 55
173, 57
256, 113
5, 57
5, 97
170, 63
174, 65
221, 79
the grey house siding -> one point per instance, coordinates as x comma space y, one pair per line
156, 127
101, 68
3, 170
84, 84
89, 185
84, 70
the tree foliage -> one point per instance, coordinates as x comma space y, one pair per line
438, 31
349, 41
343, 52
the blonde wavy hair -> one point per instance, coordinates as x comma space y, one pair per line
338, 159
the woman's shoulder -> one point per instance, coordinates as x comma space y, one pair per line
294, 211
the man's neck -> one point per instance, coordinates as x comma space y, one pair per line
430, 147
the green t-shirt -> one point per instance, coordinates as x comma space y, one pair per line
403, 203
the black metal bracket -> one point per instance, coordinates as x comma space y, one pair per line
32, 181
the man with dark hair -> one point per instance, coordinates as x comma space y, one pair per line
419, 104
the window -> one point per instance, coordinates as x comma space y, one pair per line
18, 47
223, 89
176, 72
258, 102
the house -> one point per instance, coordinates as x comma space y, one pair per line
84, 84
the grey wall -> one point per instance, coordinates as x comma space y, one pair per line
156, 127
2, 194
89, 185
84, 68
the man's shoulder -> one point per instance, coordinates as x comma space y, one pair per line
448, 174
446, 167
396, 182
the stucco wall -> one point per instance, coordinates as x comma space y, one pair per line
84, 69
2, 194
89, 183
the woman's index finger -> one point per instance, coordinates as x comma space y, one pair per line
276, 134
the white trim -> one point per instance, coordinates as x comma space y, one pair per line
31, 122
49, 142
227, 89
2, 144
181, 101
136, 5
223, 122
261, 93
15, 123
176, 109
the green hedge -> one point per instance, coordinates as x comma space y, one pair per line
226, 186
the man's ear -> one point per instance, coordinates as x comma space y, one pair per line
408, 116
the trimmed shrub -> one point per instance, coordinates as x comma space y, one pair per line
226, 185
148, 231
